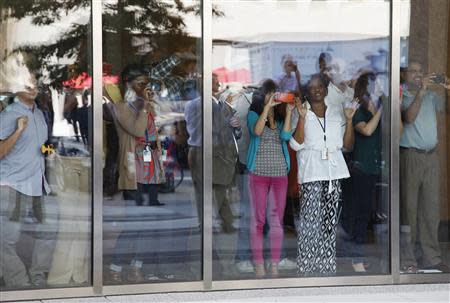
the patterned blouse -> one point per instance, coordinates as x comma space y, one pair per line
149, 172
270, 159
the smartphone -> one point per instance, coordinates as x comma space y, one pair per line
284, 97
438, 79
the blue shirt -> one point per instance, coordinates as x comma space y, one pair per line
194, 116
287, 82
422, 133
252, 118
23, 168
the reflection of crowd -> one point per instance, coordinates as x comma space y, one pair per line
336, 133
333, 127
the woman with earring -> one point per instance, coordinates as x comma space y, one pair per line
319, 137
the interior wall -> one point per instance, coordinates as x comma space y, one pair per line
429, 36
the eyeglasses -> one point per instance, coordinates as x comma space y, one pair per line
141, 83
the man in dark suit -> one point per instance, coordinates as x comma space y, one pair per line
226, 130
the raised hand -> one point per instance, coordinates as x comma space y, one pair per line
235, 122
22, 123
270, 100
349, 112
302, 108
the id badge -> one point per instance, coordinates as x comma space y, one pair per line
325, 153
164, 155
147, 154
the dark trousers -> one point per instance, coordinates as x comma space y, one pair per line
363, 193
151, 189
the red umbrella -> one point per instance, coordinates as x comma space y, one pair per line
238, 75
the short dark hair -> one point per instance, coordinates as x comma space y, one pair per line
322, 78
132, 71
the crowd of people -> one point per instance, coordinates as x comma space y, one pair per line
329, 131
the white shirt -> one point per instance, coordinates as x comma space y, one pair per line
336, 97
227, 104
241, 103
311, 167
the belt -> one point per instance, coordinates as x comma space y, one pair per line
420, 151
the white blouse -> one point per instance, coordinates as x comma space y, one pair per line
311, 166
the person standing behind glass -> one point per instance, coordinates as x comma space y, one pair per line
268, 163
419, 173
366, 165
287, 82
132, 119
149, 171
226, 131
320, 135
23, 131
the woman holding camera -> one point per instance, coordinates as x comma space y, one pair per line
139, 165
268, 163
320, 135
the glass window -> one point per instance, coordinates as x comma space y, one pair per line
300, 138
424, 142
152, 127
45, 139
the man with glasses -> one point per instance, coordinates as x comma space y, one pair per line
419, 173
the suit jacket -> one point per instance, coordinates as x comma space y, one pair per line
225, 153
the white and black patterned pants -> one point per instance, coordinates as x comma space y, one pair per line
316, 228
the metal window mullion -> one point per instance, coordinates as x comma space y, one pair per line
395, 139
97, 169
207, 142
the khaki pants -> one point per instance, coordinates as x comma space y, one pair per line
71, 258
12, 268
419, 208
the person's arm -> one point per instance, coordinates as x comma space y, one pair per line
299, 132
286, 133
165, 67
349, 134
8, 144
409, 115
259, 126
367, 128
298, 78
134, 126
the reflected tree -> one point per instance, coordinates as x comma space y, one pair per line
144, 30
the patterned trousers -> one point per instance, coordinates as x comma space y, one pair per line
316, 228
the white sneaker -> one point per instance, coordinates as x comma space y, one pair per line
358, 267
245, 267
286, 264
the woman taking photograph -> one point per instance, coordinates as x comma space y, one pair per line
268, 163
320, 135
139, 164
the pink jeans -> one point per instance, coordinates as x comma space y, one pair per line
260, 187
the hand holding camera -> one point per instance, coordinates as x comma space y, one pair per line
271, 100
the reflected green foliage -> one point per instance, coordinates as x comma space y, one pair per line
136, 27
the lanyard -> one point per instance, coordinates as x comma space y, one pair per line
323, 126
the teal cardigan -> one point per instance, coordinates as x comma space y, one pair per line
252, 118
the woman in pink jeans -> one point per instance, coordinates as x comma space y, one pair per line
268, 163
